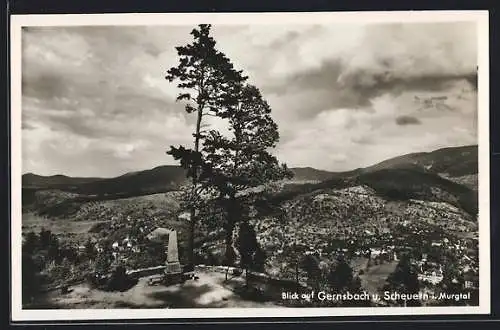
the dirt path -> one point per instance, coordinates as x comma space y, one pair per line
209, 290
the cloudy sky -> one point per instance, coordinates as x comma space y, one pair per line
96, 103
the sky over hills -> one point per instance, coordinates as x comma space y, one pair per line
95, 101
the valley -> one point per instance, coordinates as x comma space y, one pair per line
423, 206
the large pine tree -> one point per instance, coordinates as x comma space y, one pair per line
202, 73
225, 166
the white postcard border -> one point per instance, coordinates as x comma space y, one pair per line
18, 21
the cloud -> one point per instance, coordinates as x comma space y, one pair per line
407, 120
95, 100
344, 139
98, 94
349, 70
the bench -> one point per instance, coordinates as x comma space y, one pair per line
155, 280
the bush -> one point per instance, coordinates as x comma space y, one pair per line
119, 280
30, 284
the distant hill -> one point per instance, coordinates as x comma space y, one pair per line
395, 184
433, 176
405, 184
310, 174
449, 162
158, 179
53, 181
400, 175
452, 162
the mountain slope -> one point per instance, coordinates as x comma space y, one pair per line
452, 162
448, 174
54, 181
158, 179
405, 184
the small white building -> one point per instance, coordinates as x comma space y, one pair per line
434, 277
99, 248
374, 252
186, 216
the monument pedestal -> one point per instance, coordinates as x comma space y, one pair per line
173, 268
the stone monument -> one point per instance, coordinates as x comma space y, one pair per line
173, 266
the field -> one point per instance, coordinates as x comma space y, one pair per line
34, 222
156, 208
374, 277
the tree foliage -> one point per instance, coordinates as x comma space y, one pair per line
252, 256
30, 283
224, 167
202, 74
102, 264
340, 277
30, 243
404, 279
311, 265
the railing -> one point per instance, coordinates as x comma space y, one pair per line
146, 271
260, 277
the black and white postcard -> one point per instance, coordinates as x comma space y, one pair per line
242, 165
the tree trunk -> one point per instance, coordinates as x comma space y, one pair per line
229, 254
194, 182
191, 237
231, 222
297, 273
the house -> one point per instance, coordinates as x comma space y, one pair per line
433, 277
431, 273
374, 252
471, 280
99, 248
127, 243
